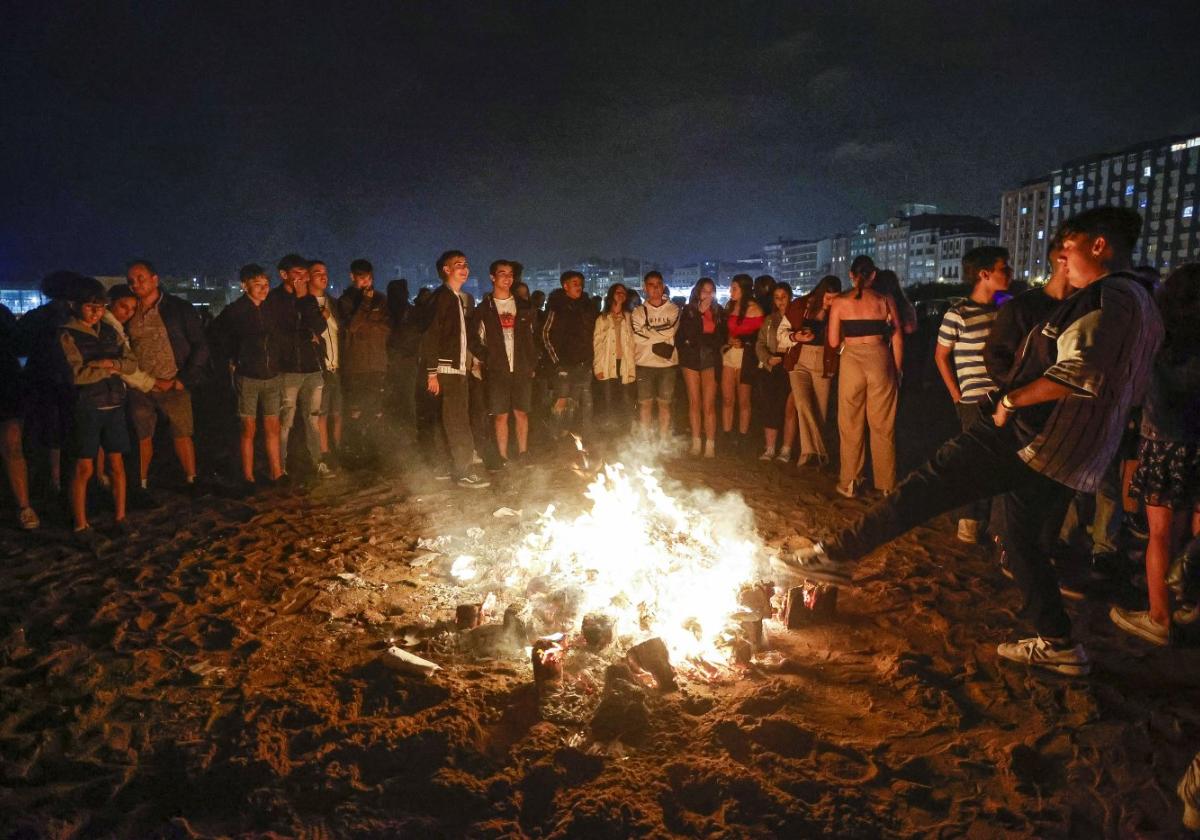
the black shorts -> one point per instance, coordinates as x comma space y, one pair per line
507, 392
92, 428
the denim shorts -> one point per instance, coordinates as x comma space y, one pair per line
252, 393
331, 394
656, 383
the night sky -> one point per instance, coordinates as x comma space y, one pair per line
203, 136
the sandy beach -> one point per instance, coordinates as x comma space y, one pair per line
221, 675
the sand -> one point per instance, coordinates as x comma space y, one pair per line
220, 675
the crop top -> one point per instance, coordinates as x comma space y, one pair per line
747, 326
863, 327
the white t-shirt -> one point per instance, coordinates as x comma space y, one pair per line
507, 310
331, 333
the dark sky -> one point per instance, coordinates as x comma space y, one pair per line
203, 136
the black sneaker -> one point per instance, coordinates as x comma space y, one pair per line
142, 499
814, 564
87, 539
473, 482
121, 529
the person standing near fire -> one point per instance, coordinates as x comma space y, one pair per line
444, 347
654, 324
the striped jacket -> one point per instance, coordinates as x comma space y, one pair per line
1100, 343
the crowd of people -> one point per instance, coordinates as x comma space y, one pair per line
1077, 401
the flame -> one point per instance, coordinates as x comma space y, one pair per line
656, 564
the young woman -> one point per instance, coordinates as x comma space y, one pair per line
1168, 472
809, 375
612, 362
699, 339
860, 322
774, 399
743, 321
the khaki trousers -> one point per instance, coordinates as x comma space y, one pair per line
810, 392
867, 397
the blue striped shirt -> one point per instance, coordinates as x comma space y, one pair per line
964, 330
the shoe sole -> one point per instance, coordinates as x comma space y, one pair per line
1065, 670
1135, 630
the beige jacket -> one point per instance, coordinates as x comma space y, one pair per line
610, 333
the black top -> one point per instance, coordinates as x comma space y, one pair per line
863, 327
1013, 323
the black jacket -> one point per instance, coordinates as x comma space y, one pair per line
490, 348
1015, 320
301, 324
186, 335
567, 330
692, 342
366, 331
245, 336
442, 342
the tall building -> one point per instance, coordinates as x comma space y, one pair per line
840, 255
862, 241
891, 246
1158, 178
773, 256
954, 240
686, 276
1025, 228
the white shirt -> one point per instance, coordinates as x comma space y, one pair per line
331, 333
507, 310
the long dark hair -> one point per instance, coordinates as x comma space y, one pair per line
608, 298
862, 266
888, 283
1179, 302
744, 282
814, 299
694, 297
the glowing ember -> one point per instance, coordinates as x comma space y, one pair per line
656, 564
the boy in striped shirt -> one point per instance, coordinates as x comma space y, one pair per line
959, 355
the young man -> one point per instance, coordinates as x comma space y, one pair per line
168, 340
96, 359
502, 338
329, 424
567, 336
1059, 425
300, 321
448, 363
247, 341
959, 354
654, 324
368, 326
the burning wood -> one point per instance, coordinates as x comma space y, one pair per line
652, 657
809, 603
597, 630
547, 659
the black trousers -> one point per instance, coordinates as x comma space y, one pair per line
979, 463
456, 422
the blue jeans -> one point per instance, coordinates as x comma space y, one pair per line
301, 391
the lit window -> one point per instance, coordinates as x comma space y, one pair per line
1057, 189
1187, 212
1129, 189
1058, 202
1024, 211
1146, 172
1079, 184
1041, 234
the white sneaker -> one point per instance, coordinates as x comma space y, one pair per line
968, 531
768, 455
850, 490
697, 445
473, 482
323, 471
1071, 660
710, 449
1139, 623
784, 455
